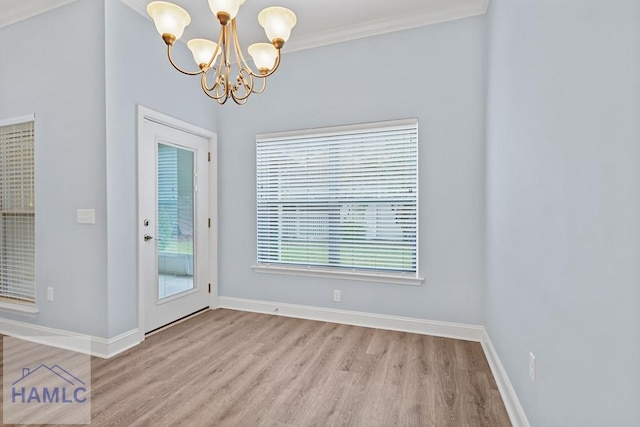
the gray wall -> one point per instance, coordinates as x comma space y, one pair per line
57, 72
83, 80
437, 75
137, 72
564, 206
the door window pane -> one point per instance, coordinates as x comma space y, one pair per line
175, 220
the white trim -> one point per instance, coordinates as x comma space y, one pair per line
338, 130
139, 6
19, 308
384, 26
369, 320
109, 347
172, 122
213, 215
509, 397
364, 276
32, 9
100, 347
18, 120
418, 239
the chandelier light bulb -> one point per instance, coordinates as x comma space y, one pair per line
228, 8
202, 50
168, 18
264, 56
277, 22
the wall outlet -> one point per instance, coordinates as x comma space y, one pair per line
49, 294
336, 295
532, 367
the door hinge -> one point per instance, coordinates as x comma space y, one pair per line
209, 287
209, 222
209, 156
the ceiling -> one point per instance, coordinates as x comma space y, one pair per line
320, 22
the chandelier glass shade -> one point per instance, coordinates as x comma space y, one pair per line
224, 72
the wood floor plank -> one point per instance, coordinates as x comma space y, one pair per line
232, 368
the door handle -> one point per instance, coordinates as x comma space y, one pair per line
147, 237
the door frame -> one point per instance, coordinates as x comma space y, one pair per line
145, 113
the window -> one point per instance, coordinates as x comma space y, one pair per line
17, 212
342, 199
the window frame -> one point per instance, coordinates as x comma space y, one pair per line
8, 303
341, 272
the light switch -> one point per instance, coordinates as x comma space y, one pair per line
86, 216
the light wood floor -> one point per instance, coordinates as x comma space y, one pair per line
231, 368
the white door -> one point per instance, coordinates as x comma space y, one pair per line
174, 214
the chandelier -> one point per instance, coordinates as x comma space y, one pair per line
224, 76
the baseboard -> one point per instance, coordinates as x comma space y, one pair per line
370, 320
509, 397
109, 347
99, 347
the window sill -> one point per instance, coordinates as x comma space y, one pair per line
334, 274
19, 308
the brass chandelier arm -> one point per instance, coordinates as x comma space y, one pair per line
218, 77
249, 87
208, 91
224, 95
243, 61
217, 69
219, 89
240, 102
245, 75
243, 83
204, 84
264, 86
246, 80
221, 98
188, 73
226, 53
215, 52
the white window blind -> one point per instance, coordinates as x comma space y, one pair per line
342, 197
17, 212
167, 198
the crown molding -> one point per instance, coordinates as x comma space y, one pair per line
28, 10
139, 6
384, 26
366, 29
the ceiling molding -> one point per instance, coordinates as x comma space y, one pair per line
139, 6
384, 26
28, 9
366, 29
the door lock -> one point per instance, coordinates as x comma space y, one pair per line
147, 237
